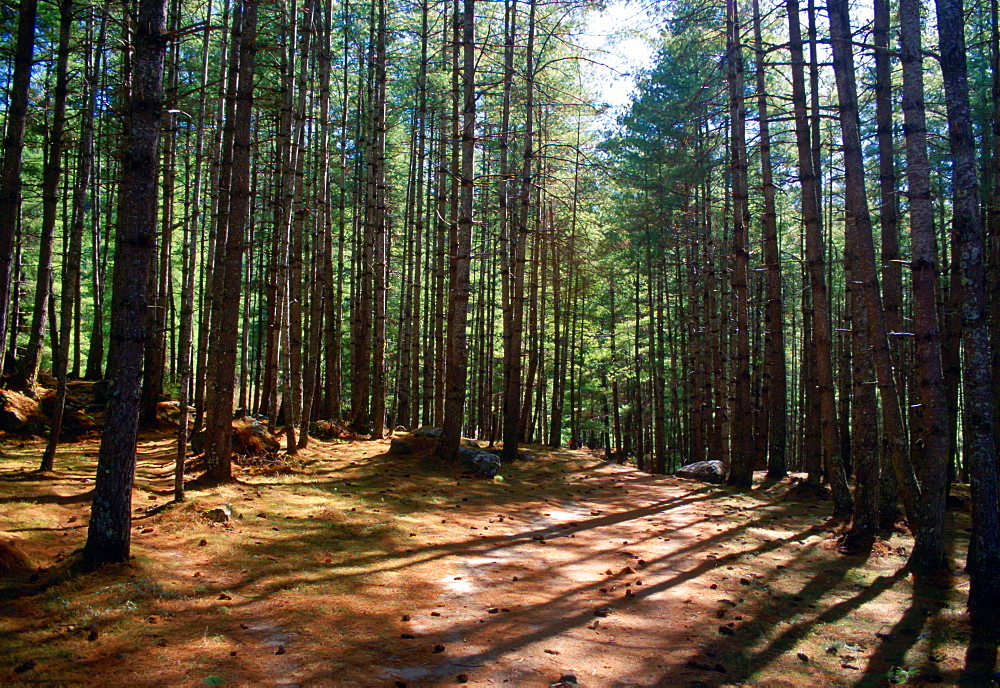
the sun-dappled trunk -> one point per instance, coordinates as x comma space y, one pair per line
108, 535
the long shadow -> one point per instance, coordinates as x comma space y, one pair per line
555, 607
51, 498
382, 561
891, 652
556, 614
752, 661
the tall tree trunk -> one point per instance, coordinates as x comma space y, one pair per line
993, 206
13, 144
71, 262
381, 233
978, 430
296, 207
86, 170
858, 223
892, 273
155, 353
741, 464
863, 445
407, 384
930, 452
189, 261
322, 295
775, 373
108, 535
816, 263
234, 199
222, 146
517, 237
458, 302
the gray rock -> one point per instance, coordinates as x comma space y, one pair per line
427, 432
706, 471
471, 444
397, 446
222, 514
482, 463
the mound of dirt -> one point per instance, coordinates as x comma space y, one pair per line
75, 419
250, 438
331, 430
169, 411
13, 561
19, 413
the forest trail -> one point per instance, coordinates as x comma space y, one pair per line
365, 568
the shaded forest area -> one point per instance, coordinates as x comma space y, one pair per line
277, 222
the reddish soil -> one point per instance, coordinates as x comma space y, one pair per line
369, 569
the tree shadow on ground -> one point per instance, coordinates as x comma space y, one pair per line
324, 563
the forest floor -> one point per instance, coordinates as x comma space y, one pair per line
365, 568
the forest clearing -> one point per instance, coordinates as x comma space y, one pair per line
368, 568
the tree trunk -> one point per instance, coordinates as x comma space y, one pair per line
741, 464
775, 373
189, 262
980, 450
458, 302
86, 169
234, 199
510, 233
381, 233
108, 536
859, 223
815, 259
71, 262
13, 144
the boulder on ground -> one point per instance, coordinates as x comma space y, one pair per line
713, 471
471, 444
397, 446
480, 462
19, 413
427, 432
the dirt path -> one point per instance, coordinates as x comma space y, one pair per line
593, 585
364, 568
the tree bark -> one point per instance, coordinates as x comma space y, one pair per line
741, 464
816, 263
234, 198
71, 262
108, 535
775, 373
13, 144
980, 449
458, 302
